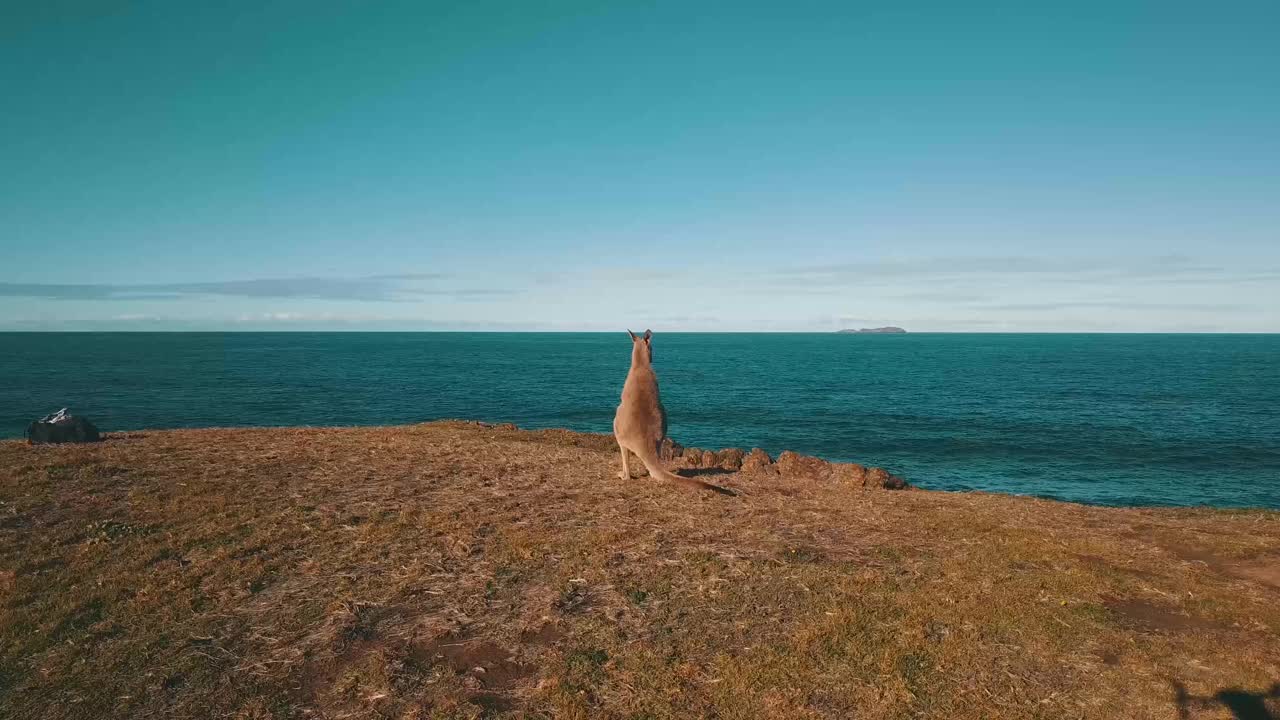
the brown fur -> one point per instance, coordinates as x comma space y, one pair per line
641, 422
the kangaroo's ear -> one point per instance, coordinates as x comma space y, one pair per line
648, 335
633, 335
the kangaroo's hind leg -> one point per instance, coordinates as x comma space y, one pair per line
626, 468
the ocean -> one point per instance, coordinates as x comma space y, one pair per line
1093, 418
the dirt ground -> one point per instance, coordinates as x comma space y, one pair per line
453, 570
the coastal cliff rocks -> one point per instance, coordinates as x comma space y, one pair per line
795, 465
671, 451
696, 458
876, 477
789, 466
730, 459
804, 467
691, 457
756, 460
881, 478
849, 474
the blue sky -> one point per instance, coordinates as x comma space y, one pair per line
1103, 166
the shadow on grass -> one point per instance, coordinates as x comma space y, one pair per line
1243, 705
693, 473
698, 472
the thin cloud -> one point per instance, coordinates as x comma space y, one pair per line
297, 318
411, 276
301, 288
377, 288
949, 265
1170, 266
944, 297
1113, 305
66, 292
470, 292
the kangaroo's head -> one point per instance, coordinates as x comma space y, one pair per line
641, 347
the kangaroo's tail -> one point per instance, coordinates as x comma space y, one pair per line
654, 466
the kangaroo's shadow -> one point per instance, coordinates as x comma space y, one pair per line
1242, 704
699, 472
695, 472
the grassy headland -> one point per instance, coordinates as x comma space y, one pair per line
458, 570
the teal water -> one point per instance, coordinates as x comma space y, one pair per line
1110, 419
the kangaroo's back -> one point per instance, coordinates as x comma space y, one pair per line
640, 417
640, 424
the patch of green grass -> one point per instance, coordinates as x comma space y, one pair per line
105, 531
584, 668
59, 473
802, 555
78, 620
914, 668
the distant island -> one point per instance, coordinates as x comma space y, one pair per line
887, 329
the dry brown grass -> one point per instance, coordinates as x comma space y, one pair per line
452, 570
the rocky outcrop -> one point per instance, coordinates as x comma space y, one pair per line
795, 465
756, 460
790, 465
62, 427
691, 457
730, 459
849, 474
880, 478
708, 459
805, 467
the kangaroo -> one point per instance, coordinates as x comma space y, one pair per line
641, 422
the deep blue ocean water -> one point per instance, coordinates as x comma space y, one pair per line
1111, 419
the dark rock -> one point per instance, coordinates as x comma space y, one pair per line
62, 427
669, 450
